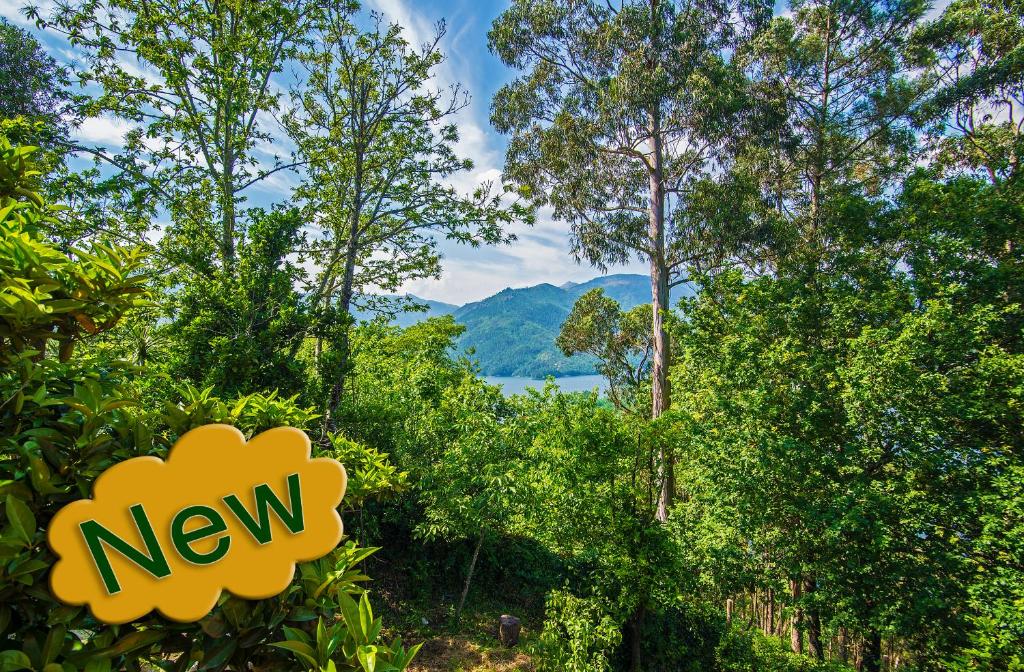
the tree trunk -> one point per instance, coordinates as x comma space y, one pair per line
844, 645
660, 394
227, 214
469, 578
795, 636
347, 290
813, 622
873, 652
636, 622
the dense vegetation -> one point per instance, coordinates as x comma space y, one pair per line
814, 461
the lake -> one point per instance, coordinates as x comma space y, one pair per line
517, 384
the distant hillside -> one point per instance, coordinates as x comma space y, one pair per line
434, 309
512, 333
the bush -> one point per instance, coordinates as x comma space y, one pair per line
65, 419
578, 636
743, 650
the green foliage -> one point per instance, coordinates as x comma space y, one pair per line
348, 644
621, 341
750, 651
240, 329
32, 84
578, 635
66, 419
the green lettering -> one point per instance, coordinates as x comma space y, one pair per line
265, 497
183, 539
96, 535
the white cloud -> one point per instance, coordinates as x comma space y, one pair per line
541, 253
104, 131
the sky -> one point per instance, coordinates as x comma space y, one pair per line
539, 254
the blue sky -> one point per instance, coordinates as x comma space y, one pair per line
541, 252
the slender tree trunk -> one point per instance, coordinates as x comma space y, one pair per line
636, 624
469, 578
796, 640
347, 289
813, 621
771, 612
844, 645
227, 214
873, 652
660, 394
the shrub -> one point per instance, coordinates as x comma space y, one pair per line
578, 635
65, 419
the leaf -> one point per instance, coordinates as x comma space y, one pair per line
367, 656
98, 664
350, 612
304, 652
14, 660
21, 518
54, 643
139, 639
220, 655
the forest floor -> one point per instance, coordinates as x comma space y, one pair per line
458, 653
472, 646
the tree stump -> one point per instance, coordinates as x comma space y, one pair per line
508, 630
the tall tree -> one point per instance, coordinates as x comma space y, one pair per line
377, 143
621, 109
32, 83
974, 52
195, 80
835, 74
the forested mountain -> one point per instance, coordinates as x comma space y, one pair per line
512, 333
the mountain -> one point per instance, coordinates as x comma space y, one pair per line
407, 319
434, 309
512, 333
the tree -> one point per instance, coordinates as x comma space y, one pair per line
377, 144
621, 109
834, 78
468, 490
621, 341
236, 329
32, 84
974, 53
197, 96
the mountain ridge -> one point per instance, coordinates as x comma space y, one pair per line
512, 332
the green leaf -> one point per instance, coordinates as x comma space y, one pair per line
14, 660
302, 651
21, 518
367, 656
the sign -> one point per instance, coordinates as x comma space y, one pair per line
220, 514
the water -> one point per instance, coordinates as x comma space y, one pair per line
517, 384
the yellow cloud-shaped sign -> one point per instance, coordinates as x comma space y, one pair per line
219, 514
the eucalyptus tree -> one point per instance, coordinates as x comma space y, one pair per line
836, 87
377, 141
195, 82
620, 110
836, 77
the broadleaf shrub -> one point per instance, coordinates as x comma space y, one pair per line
64, 419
